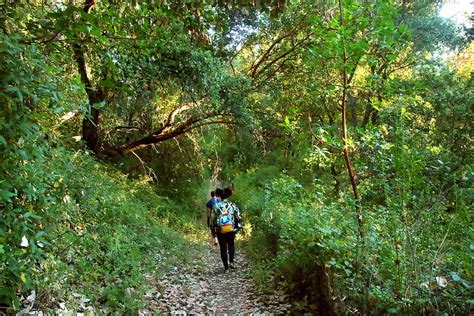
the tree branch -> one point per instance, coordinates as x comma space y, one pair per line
43, 41
299, 26
178, 110
262, 58
168, 132
291, 50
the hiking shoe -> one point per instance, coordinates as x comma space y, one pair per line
226, 270
232, 266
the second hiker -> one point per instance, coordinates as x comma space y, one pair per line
209, 205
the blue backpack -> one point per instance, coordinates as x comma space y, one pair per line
225, 218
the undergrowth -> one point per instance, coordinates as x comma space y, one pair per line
307, 245
79, 231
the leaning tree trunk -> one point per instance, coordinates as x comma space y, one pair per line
93, 117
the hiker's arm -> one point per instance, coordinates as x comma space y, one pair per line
237, 212
238, 218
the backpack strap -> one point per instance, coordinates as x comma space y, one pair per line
228, 207
225, 209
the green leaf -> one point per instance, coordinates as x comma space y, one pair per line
23, 154
15, 89
99, 105
3, 141
6, 195
31, 215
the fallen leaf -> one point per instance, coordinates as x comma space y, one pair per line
442, 282
24, 242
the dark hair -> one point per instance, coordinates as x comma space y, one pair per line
219, 192
227, 193
213, 193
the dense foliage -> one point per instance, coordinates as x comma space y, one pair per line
344, 127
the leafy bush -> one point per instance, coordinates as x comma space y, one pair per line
296, 232
84, 227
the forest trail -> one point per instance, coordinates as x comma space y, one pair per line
203, 288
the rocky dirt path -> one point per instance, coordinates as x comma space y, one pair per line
205, 289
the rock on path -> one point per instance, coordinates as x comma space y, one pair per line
205, 289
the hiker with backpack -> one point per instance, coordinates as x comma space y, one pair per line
225, 222
216, 198
209, 205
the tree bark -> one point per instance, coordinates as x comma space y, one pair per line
92, 120
325, 304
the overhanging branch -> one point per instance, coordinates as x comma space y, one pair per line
169, 132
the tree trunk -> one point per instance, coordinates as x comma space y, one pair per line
347, 159
92, 120
325, 304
